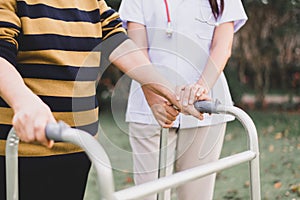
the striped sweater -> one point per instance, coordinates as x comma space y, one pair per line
54, 45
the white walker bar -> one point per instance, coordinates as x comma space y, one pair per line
162, 165
99, 158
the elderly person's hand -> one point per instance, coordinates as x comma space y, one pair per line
163, 111
188, 94
30, 119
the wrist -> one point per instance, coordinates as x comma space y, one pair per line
203, 84
24, 98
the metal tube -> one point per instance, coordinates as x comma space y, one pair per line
179, 178
103, 167
11, 158
162, 166
252, 156
250, 128
93, 149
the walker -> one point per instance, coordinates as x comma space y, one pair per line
100, 159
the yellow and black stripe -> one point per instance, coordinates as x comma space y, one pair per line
54, 45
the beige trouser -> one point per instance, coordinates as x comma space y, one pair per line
195, 146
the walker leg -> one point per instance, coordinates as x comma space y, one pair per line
255, 178
162, 158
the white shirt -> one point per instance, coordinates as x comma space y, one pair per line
181, 57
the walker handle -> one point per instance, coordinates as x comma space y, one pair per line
54, 130
96, 153
207, 106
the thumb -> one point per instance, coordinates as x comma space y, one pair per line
192, 111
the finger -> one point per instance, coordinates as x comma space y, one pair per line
167, 116
186, 95
167, 125
201, 91
175, 108
39, 131
195, 91
204, 97
171, 110
50, 143
23, 127
164, 122
195, 113
40, 134
165, 119
178, 92
170, 117
201, 117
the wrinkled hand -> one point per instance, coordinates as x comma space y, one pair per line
165, 114
187, 95
163, 111
30, 120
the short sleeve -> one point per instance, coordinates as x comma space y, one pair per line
132, 10
112, 31
9, 30
234, 11
110, 20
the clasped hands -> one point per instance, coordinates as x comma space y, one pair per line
165, 113
29, 121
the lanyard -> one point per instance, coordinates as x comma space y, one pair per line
169, 30
167, 11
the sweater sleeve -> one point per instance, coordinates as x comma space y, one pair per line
10, 27
110, 20
112, 31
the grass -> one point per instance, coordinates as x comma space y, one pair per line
279, 140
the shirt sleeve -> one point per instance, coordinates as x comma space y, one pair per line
9, 30
234, 11
131, 10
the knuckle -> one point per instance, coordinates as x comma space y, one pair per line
37, 128
28, 138
31, 137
